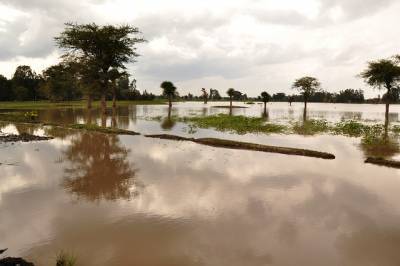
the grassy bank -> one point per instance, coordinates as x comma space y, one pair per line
37, 105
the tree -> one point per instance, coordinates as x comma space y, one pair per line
103, 47
25, 80
115, 75
231, 93
383, 73
169, 91
265, 97
60, 83
307, 86
6, 92
205, 95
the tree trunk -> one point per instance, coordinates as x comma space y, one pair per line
89, 101
265, 107
114, 100
230, 99
103, 103
387, 117
305, 111
169, 101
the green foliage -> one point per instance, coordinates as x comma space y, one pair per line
310, 127
65, 259
265, 97
384, 72
236, 124
307, 86
350, 128
169, 89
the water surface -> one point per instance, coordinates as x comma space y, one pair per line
130, 200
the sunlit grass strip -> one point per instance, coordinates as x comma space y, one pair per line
238, 145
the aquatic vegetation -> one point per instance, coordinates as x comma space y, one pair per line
65, 259
349, 128
106, 130
310, 127
29, 117
236, 124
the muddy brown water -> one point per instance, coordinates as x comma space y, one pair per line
130, 200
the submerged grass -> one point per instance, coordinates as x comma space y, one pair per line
106, 130
236, 124
65, 259
310, 127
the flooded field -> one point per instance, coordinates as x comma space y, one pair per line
131, 200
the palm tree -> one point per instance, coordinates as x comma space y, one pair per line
169, 90
307, 87
265, 97
383, 73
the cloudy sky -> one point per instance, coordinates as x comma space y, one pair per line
251, 45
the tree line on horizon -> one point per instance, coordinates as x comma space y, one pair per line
61, 82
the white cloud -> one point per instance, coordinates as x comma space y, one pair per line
246, 44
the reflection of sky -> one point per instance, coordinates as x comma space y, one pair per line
206, 206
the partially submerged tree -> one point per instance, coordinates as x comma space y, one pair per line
104, 47
169, 91
265, 97
231, 93
307, 86
205, 95
384, 73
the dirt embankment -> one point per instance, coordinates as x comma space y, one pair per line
23, 137
230, 144
383, 162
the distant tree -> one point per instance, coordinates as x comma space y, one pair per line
60, 83
25, 77
307, 86
279, 97
290, 99
104, 47
169, 91
114, 76
214, 95
205, 95
350, 96
231, 94
383, 73
6, 92
265, 97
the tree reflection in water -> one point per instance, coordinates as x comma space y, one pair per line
99, 168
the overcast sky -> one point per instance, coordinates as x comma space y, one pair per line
250, 45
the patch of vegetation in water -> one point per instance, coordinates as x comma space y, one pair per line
22, 117
106, 130
65, 259
350, 128
310, 127
236, 124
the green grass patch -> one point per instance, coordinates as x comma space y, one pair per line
20, 117
310, 127
236, 124
65, 259
350, 128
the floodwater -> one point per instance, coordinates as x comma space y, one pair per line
131, 200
